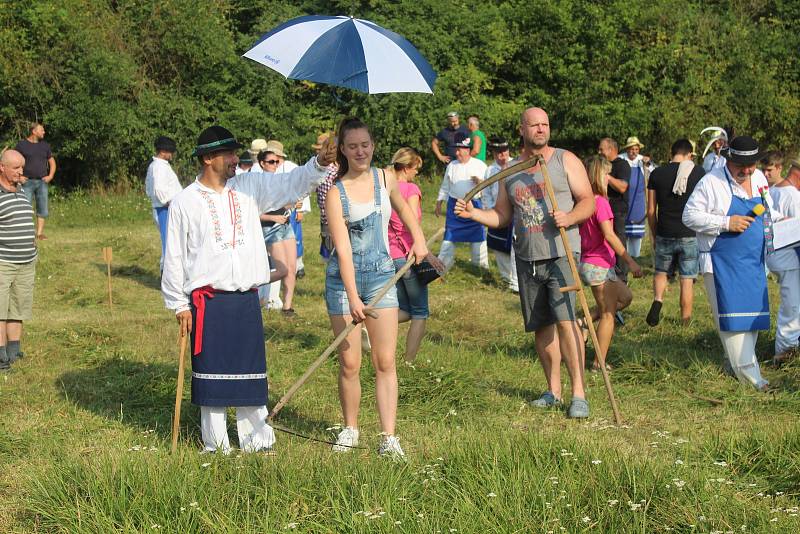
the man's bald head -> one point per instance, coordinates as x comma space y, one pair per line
534, 127
11, 156
11, 165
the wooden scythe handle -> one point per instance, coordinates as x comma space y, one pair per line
505, 173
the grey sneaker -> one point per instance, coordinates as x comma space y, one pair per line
390, 448
346, 440
546, 400
578, 408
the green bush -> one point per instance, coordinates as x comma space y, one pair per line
108, 77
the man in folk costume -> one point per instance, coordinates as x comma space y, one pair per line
500, 240
786, 266
732, 238
634, 219
215, 258
714, 159
161, 185
460, 176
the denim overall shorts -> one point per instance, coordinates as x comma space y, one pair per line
373, 266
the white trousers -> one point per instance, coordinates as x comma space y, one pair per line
507, 266
480, 254
740, 347
251, 423
787, 331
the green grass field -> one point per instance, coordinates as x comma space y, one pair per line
85, 417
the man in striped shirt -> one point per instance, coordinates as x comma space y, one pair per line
17, 257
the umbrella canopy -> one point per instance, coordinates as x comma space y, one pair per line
345, 52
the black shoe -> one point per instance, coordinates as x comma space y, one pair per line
300, 273
654, 315
16, 357
620, 319
289, 312
5, 365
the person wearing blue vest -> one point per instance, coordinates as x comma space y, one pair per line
732, 213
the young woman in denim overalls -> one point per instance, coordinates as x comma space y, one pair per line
358, 219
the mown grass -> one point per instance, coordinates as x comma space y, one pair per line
85, 417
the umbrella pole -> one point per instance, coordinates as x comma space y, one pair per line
344, 333
578, 288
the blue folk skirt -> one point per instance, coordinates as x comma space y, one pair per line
231, 368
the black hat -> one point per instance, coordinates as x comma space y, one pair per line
165, 144
743, 150
497, 143
462, 140
214, 139
245, 157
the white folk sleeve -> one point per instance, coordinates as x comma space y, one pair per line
702, 212
444, 190
277, 190
175, 256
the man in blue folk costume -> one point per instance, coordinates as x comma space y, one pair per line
215, 259
637, 186
732, 213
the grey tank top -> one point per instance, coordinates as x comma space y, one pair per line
536, 237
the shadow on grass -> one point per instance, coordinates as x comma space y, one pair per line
133, 272
517, 393
136, 394
142, 396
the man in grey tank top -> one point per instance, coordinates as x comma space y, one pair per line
542, 266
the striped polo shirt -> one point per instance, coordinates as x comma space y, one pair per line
17, 231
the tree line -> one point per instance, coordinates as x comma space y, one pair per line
107, 77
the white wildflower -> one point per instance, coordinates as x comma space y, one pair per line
721, 463
290, 526
586, 519
678, 462
597, 462
491, 494
206, 464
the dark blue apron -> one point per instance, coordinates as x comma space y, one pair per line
500, 239
460, 230
739, 277
634, 219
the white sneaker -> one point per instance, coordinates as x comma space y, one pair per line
390, 447
346, 440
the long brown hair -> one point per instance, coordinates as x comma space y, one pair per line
598, 167
348, 124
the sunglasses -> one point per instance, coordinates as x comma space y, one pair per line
271, 161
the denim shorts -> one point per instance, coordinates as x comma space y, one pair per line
594, 275
368, 283
277, 233
37, 188
412, 296
677, 250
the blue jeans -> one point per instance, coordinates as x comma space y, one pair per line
677, 250
411, 295
37, 188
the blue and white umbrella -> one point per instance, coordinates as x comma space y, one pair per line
345, 52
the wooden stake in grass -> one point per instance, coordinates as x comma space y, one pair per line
176, 418
107, 257
349, 328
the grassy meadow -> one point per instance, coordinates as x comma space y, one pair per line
85, 417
